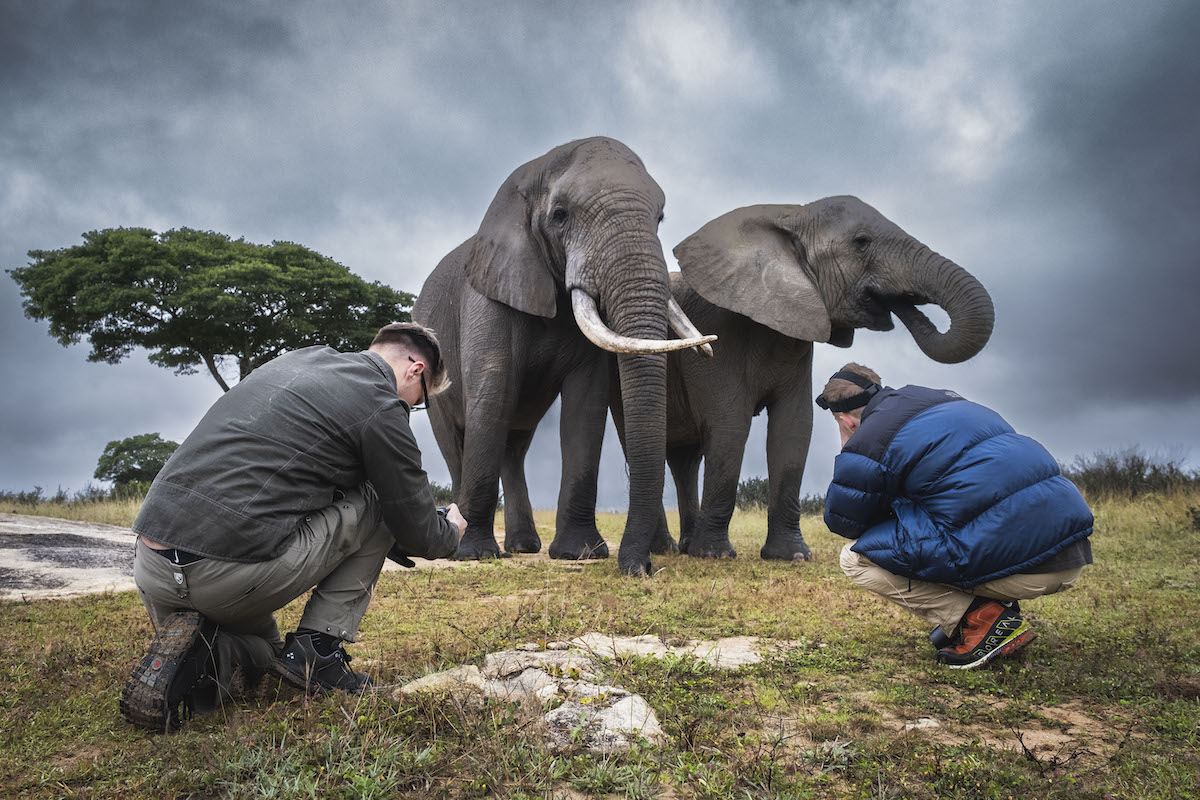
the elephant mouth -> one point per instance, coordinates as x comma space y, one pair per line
841, 336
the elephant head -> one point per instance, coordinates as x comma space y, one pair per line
577, 229
818, 271
583, 219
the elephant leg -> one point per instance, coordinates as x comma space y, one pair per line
581, 432
489, 410
520, 533
789, 429
723, 450
685, 470
449, 438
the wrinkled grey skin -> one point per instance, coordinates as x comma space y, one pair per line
769, 281
584, 215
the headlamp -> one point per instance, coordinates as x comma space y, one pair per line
870, 389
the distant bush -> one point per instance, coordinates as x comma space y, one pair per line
443, 495
755, 494
1128, 473
90, 493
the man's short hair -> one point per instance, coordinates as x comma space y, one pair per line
423, 341
840, 389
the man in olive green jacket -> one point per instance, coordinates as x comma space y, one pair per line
305, 475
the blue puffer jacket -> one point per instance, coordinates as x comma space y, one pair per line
940, 489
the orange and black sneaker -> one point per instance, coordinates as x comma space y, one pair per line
988, 630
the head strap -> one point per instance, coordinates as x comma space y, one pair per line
869, 390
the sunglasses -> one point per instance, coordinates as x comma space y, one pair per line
424, 389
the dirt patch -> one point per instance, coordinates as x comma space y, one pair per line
1179, 687
67, 763
1050, 735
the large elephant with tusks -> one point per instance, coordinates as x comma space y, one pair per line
565, 269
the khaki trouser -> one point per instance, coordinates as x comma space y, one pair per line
945, 605
337, 551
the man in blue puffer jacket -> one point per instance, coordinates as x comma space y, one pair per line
953, 514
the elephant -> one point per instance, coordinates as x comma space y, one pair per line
769, 280
566, 268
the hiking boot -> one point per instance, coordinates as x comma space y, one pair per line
176, 679
988, 630
302, 666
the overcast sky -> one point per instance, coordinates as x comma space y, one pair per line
1051, 149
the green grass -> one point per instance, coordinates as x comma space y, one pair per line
1103, 704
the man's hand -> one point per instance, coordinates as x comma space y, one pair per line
455, 516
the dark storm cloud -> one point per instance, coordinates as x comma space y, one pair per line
1113, 151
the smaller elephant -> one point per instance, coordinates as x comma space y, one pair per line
769, 281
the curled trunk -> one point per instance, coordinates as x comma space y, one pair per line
964, 300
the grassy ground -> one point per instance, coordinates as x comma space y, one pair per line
1104, 704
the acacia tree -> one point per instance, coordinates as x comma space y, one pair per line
197, 298
134, 460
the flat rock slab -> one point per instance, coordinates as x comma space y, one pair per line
42, 557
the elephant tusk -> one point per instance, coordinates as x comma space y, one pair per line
588, 318
684, 327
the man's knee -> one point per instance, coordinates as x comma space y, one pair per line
852, 564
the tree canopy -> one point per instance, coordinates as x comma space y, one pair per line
197, 298
136, 459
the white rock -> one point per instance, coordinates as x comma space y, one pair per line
459, 681
606, 646
604, 730
923, 722
565, 663
730, 653
529, 684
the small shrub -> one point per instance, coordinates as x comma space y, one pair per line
443, 495
1128, 473
754, 494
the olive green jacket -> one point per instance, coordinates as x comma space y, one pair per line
279, 445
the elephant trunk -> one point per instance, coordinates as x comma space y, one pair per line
637, 308
964, 300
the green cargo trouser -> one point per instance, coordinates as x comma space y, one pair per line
337, 551
945, 605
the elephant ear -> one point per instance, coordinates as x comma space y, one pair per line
748, 261
507, 262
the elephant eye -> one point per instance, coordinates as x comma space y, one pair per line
559, 215
661, 215
861, 242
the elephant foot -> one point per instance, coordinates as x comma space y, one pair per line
522, 541
663, 543
477, 546
635, 564
579, 544
786, 547
715, 547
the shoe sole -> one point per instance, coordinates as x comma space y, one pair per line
1008, 648
144, 700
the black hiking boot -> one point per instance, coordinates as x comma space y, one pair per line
303, 666
176, 679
